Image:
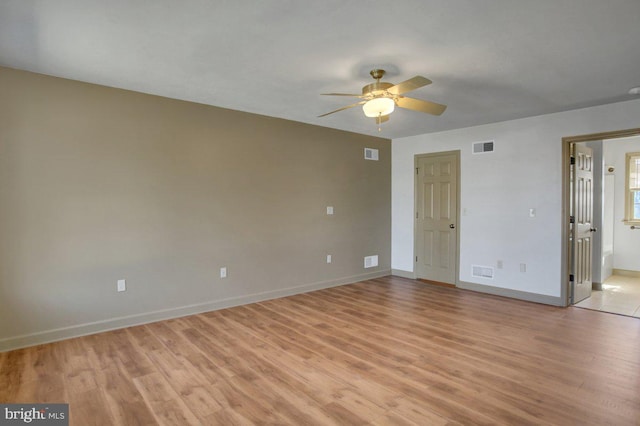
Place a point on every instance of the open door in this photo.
(581, 222)
(570, 236)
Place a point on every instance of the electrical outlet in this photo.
(499, 264)
(328, 258)
(122, 285)
(523, 267)
(329, 210)
(223, 272)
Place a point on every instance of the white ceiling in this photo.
(489, 60)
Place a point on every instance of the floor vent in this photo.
(482, 271)
(481, 147)
(371, 154)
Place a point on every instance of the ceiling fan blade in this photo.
(343, 108)
(409, 85)
(422, 106)
(342, 94)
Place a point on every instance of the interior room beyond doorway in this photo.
(619, 295)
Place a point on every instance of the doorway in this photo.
(599, 267)
(436, 220)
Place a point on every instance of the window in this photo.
(632, 200)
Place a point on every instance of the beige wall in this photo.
(98, 184)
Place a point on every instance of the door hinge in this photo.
(572, 219)
(572, 161)
(416, 215)
(571, 278)
(416, 258)
(417, 170)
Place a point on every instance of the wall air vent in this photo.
(371, 154)
(482, 272)
(371, 261)
(482, 147)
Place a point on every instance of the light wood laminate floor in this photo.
(385, 351)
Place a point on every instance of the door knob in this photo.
(452, 226)
(593, 230)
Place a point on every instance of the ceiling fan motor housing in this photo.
(376, 89)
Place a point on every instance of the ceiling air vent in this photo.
(371, 154)
(482, 271)
(481, 147)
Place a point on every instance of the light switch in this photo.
(329, 209)
(532, 212)
(122, 285)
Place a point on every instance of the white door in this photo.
(582, 226)
(436, 217)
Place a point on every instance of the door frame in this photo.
(566, 199)
(416, 157)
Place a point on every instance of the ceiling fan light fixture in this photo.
(378, 107)
(379, 99)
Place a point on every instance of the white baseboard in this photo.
(403, 274)
(48, 336)
(626, 273)
(497, 291)
(513, 294)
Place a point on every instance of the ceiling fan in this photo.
(380, 98)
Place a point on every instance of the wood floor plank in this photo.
(242, 396)
(227, 417)
(383, 351)
(123, 399)
(165, 404)
(379, 369)
(274, 377)
(12, 371)
(184, 380)
(333, 378)
(452, 368)
(90, 408)
(48, 388)
(346, 363)
(79, 372)
(469, 342)
(395, 419)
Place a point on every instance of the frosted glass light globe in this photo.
(378, 106)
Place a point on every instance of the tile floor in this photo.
(619, 295)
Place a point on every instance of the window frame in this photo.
(629, 203)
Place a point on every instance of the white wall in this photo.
(609, 209)
(497, 191)
(626, 242)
